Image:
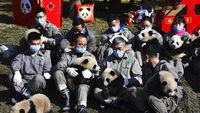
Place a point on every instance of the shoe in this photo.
(81, 109)
(66, 97)
(25, 92)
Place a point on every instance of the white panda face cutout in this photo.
(108, 76)
(146, 35)
(175, 42)
(85, 12)
(26, 6)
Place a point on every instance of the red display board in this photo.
(190, 9)
(23, 11)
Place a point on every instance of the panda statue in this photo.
(38, 103)
(84, 63)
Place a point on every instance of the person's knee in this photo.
(58, 74)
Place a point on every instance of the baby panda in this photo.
(38, 103)
(143, 37)
(176, 47)
(162, 87)
(82, 64)
(113, 82)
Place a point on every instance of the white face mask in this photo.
(41, 21)
(178, 27)
(114, 28)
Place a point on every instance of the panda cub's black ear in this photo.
(164, 83)
(85, 61)
(21, 111)
(112, 73)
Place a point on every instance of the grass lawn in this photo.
(11, 33)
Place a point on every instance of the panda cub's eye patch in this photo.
(85, 61)
(107, 80)
(21, 111)
(94, 66)
(112, 73)
(169, 90)
(143, 34)
(150, 33)
(164, 83)
(177, 43)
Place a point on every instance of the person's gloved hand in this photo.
(47, 76)
(87, 74)
(17, 79)
(72, 71)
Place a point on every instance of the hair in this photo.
(33, 36)
(39, 9)
(179, 18)
(118, 40)
(146, 18)
(78, 21)
(80, 35)
(112, 17)
(152, 47)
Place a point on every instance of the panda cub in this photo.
(83, 63)
(113, 82)
(161, 88)
(163, 84)
(38, 103)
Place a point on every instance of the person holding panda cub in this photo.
(175, 43)
(123, 60)
(65, 71)
(30, 69)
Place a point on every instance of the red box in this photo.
(85, 11)
(23, 11)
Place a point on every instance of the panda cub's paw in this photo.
(87, 74)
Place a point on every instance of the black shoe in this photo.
(81, 109)
(16, 97)
(66, 97)
(25, 92)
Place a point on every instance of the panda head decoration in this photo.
(146, 35)
(85, 12)
(168, 83)
(38, 103)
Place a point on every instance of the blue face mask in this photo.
(34, 48)
(114, 29)
(178, 28)
(41, 21)
(118, 53)
(80, 49)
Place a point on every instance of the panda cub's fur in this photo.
(163, 84)
(114, 82)
(83, 63)
(38, 103)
